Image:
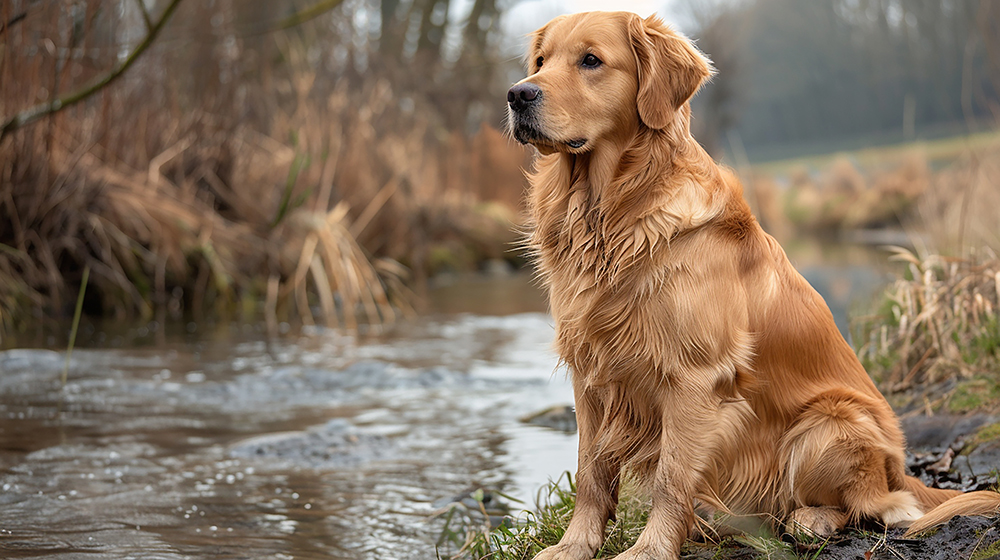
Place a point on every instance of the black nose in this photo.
(523, 95)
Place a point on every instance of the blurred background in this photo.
(320, 161)
(291, 231)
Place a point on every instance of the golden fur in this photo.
(701, 360)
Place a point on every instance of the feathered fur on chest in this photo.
(616, 260)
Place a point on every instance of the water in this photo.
(318, 446)
(223, 444)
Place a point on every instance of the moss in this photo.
(987, 343)
(986, 434)
(926, 534)
(991, 551)
(974, 394)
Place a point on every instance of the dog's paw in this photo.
(565, 551)
(815, 522)
(901, 509)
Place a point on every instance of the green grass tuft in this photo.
(991, 551)
(526, 536)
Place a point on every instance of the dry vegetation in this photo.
(944, 202)
(247, 183)
(939, 321)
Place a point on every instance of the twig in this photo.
(16, 19)
(76, 322)
(307, 14)
(908, 379)
(145, 15)
(376, 204)
(153, 172)
(37, 112)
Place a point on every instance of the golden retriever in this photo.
(701, 360)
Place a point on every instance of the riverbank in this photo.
(957, 452)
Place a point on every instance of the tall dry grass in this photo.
(258, 186)
(844, 196)
(961, 207)
(946, 204)
(940, 321)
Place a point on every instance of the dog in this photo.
(701, 361)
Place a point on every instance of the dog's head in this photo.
(595, 75)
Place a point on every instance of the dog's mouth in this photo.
(528, 134)
(526, 128)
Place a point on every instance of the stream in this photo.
(221, 443)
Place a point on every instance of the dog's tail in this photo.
(945, 504)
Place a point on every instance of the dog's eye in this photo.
(590, 61)
(538, 61)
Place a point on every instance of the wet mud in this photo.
(963, 538)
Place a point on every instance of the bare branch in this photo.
(145, 15)
(28, 116)
(16, 19)
(307, 14)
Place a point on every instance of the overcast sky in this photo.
(528, 15)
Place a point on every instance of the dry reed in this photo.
(939, 322)
(275, 192)
(844, 196)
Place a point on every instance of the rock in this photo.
(559, 417)
(336, 444)
(497, 268)
(941, 430)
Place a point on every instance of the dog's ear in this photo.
(670, 69)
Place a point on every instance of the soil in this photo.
(962, 538)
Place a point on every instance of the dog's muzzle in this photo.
(522, 97)
(523, 100)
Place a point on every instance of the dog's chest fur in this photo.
(627, 300)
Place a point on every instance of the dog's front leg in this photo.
(596, 484)
(686, 444)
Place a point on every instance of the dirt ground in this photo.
(976, 538)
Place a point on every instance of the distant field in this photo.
(937, 152)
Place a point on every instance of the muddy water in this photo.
(319, 445)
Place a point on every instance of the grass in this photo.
(973, 394)
(986, 434)
(987, 552)
(991, 551)
(522, 538)
(937, 322)
(940, 193)
(938, 150)
(76, 325)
